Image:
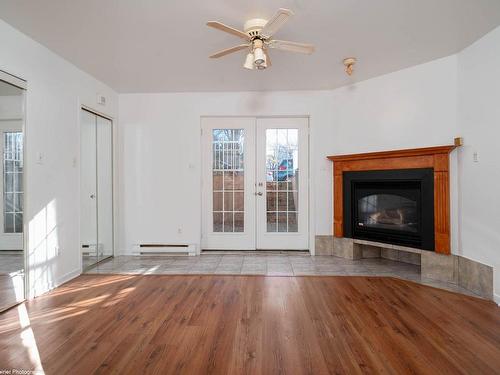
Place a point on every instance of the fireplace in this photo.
(390, 206)
(402, 164)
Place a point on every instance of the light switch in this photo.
(39, 158)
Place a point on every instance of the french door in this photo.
(255, 183)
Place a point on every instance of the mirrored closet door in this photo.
(96, 188)
(12, 260)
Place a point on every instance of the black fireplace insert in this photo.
(394, 206)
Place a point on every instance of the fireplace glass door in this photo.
(382, 208)
(389, 212)
(390, 206)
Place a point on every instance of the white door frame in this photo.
(310, 179)
(22, 84)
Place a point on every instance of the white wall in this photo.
(414, 107)
(479, 124)
(55, 91)
(160, 138)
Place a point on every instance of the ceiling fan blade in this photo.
(276, 22)
(227, 51)
(291, 46)
(228, 29)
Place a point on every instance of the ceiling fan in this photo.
(258, 36)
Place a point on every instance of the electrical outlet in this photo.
(179, 230)
(475, 157)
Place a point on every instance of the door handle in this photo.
(92, 196)
(259, 193)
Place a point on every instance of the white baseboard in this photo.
(496, 298)
(69, 276)
(47, 287)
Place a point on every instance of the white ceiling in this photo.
(163, 45)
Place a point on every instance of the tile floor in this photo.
(270, 265)
(11, 263)
(11, 279)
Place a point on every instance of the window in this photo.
(13, 182)
(228, 180)
(282, 178)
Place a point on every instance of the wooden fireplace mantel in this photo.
(429, 157)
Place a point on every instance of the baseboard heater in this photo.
(92, 249)
(165, 249)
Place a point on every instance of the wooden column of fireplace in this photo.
(430, 157)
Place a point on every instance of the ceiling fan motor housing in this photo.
(254, 26)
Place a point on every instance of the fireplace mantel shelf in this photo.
(394, 153)
(436, 158)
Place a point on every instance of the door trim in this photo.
(22, 84)
(13, 80)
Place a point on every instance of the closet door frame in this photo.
(23, 85)
(82, 107)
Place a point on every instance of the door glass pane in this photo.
(12, 182)
(282, 178)
(228, 180)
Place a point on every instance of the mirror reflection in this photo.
(12, 200)
(96, 188)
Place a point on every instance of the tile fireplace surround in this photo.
(440, 264)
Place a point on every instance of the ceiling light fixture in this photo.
(349, 65)
(249, 62)
(258, 39)
(260, 57)
(262, 66)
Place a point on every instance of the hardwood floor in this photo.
(161, 324)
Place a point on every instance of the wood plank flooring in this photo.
(129, 324)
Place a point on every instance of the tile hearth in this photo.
(270, 265)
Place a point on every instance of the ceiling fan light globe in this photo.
(262, 66)
(249, 62)
(259, 56)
